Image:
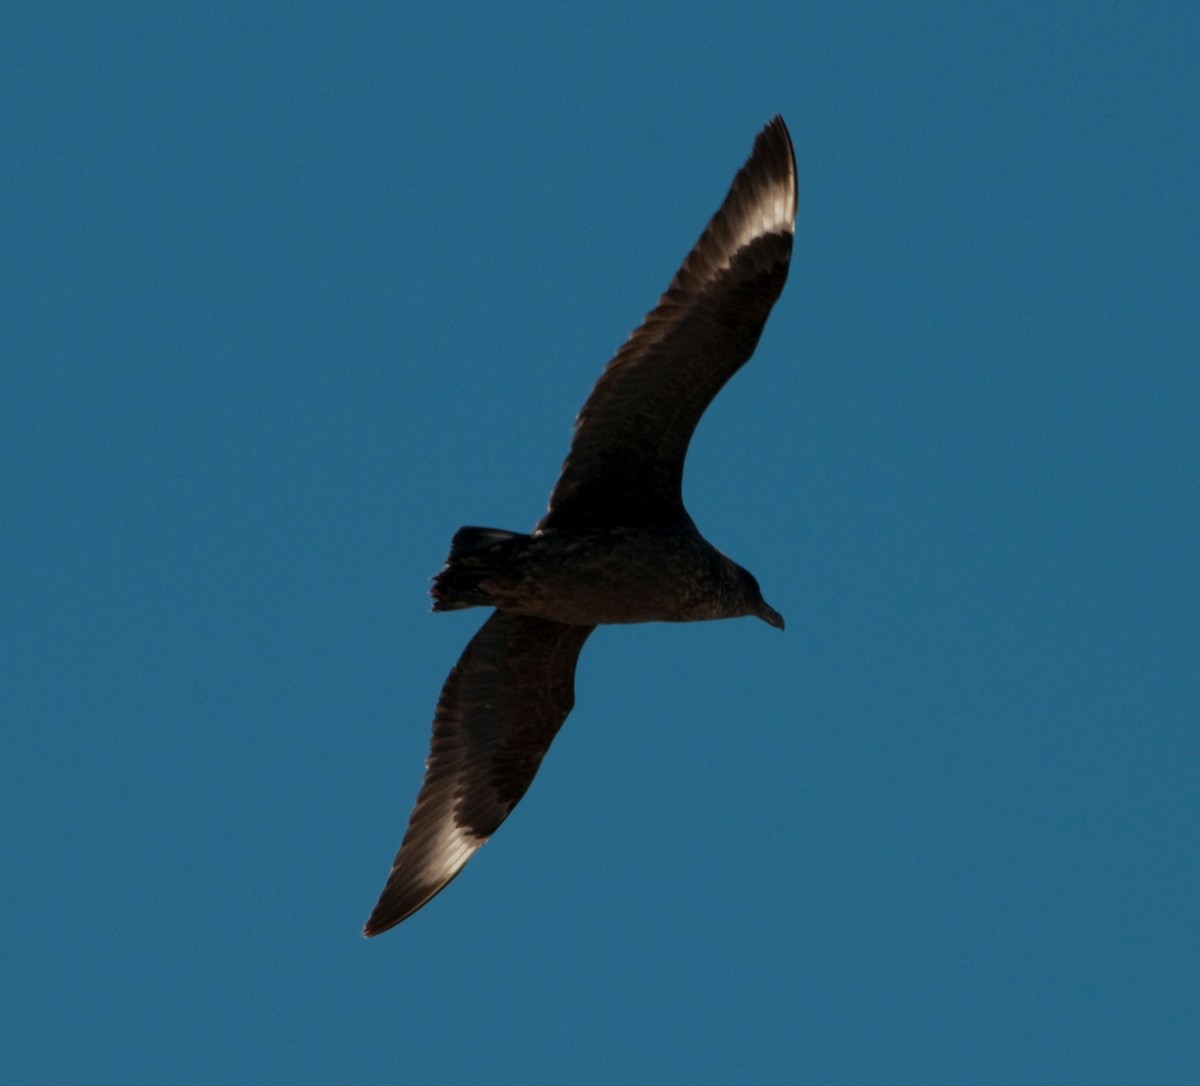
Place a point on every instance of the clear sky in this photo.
(290, 292)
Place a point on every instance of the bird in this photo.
(616, 544)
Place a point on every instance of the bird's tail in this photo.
(476, 555)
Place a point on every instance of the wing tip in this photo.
(779, 126)
(761, 202)
(772, 165)
(397, 904)
(384, 916)
(377, 924)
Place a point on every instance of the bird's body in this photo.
(615, 546)
(595, 576)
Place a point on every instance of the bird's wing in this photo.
(502, 704)
(626, 458)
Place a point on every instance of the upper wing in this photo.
(503, 703)
(626, 458)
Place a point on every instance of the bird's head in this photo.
(752, 601)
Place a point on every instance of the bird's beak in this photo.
(770, 616)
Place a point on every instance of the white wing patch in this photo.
(447, 847)
(772, 212)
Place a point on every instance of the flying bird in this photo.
(616, 544)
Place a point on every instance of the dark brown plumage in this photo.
(616, 544)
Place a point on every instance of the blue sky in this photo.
(291, 293)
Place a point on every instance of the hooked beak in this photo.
(770, 616)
